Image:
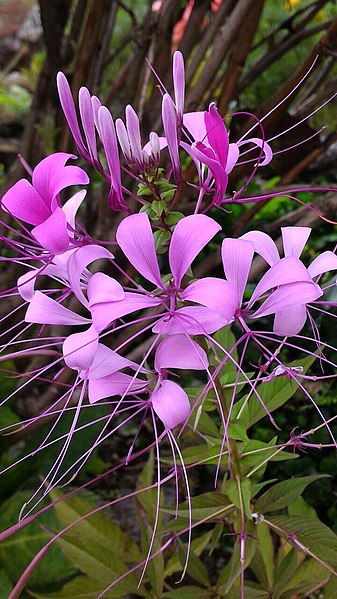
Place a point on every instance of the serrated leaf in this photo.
(301, 508)
(274, 394)
(283, 494)
(203, 506)
(83, 587)
(330, 591)
(308, 575)
(266, 549)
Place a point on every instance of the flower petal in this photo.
(68, 108)
(78, 262)
(51, 175)
(22, 201)
(104, 313)
(194, 122)
(237, 256)
(171, 404)
(216, 294)
(286, 270)
(79, 349)
(134, 236)
(45, 310)
(109, 140)
(191, 320)
(169, 118)
(107, 361)
(263, 245)
(117, 383)
(260, 143)
(52, 234)
(294, 240)
(290, 321)
(179, 351)
(88, 122)
(286, 296)
(179, 82)
(323, 263)
(190, 236)
(217, 134)
(70, 209)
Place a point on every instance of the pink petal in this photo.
(294, 240)
(233, 155)
(171, 404)
(79, 349)
(133, 129)
(237, 256)
(107, 361)
(68, 108)
(287, 296)
(216, 294)
(71, 207)
(290, 321)
(194, 122)
(44, 310)
(87, 117)
(109, 140)
(179, 82)
(117, 383)
(123, 139)
(260, 143)
(263, 245)
(134, 236)
(286, 270)
(169, 118)
(26, 284)
(190, 236)
(217, 134)
(104, 313)
(51, 175)
(192, 320)
(323, 263)
(23, 202)
(202, 153)
(52, 234)
(179, 351)
(78, 262)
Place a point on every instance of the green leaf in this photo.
(287, 565)
(227, 340)
(195, 567)
(233, 488)
(190, 592)
(83, 587)
(258, 454)
(330, 591)
(308, 575)
(203, 506)
(266, 550)
(173, 218)
(274, 394)
(216, 536)
(312, 533)
(5, 585)
(232, 570)
(301, 508)
(17, 551)
(161, 240)
(204, 454)
(283, 494)
(197, 546)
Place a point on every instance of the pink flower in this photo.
(38, 203)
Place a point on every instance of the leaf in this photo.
(266, 550)
(274, 394)
(330, 591)
(312, 533)
(283, 494)
(287, 565)
(195, 567)
(190, 592)
(197, 546)
(301, 508)
(5, 585)
(233, 488)
(308, 575)
(82, 587)
(252, 456)
(203, 506)
(231, 571)
(17, 551)
(227, 339)
(204, 454)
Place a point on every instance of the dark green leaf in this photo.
(283, 494)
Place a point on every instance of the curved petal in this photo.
(323, 263)
(179, 351)
(260, 143)
(169, 118)
(51, 175)
(135, 238)
(202, 153)
(216, 294)
(290, 321)
(171, 404)
(107, 312)
(294, 240)
(23, 202)
(109, 140)
(194, 122)
(68, 108)
(133, 129)
(70, 209)
(79, 349)
(179, 82)
(237, 256)
(78, 262)
(263, 245)
(217, 134)
(107, 361)
(286, 270)
(190, 236)
(88, 123)
(233, 156)
(44, 310)
(52, 234)
(117, 383)
(287, 296)
(192, 320)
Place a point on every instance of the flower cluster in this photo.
(87, 307)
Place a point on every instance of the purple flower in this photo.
(216, 298)
(38, 203)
